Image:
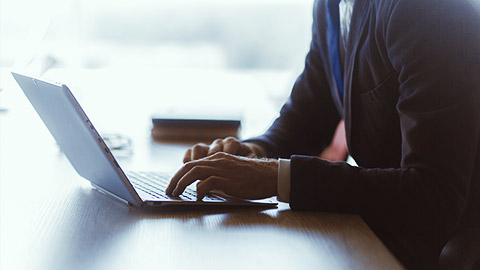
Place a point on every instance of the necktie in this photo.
(333, 28)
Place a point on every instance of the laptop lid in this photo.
(76, 136)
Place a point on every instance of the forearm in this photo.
(397, 198)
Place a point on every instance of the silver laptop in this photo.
(92, 159)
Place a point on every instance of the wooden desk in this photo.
(51, 218)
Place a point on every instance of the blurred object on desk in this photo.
(193, 130)
(120, 145)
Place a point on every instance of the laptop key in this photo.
(155, 184)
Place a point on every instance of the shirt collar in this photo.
(345, 10)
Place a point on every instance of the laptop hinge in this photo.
(108, 193)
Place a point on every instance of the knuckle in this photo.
(196, 170)
(230, 139)
(198, 147)
(188, 165)
(235, 143)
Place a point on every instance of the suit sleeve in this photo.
(435, 51)
(308, 119)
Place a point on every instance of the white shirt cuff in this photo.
(283, 184)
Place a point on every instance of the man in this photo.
(409, 74)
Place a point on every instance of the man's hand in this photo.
(240, 177)
(228, 145)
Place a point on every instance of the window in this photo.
(265, 40)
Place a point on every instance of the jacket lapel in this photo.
(357, 31)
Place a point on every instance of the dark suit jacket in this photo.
(412, 114)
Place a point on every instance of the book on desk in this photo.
(193, 129)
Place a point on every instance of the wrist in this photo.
(283, 180)
(274, 176)
(271, 167)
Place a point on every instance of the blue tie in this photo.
(333, 22)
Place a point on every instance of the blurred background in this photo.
(160, 56)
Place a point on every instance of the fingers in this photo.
(231, 145)
(176, 177)
(192, 171)
(196, 173)
(198, 151)
(209, 184)
(228, 145)
(237, 176)
(188, 156)
(186, 168)
(216, 146)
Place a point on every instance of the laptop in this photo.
(93, 160)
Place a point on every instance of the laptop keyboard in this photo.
(155, 184)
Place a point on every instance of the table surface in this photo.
(51, 218)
